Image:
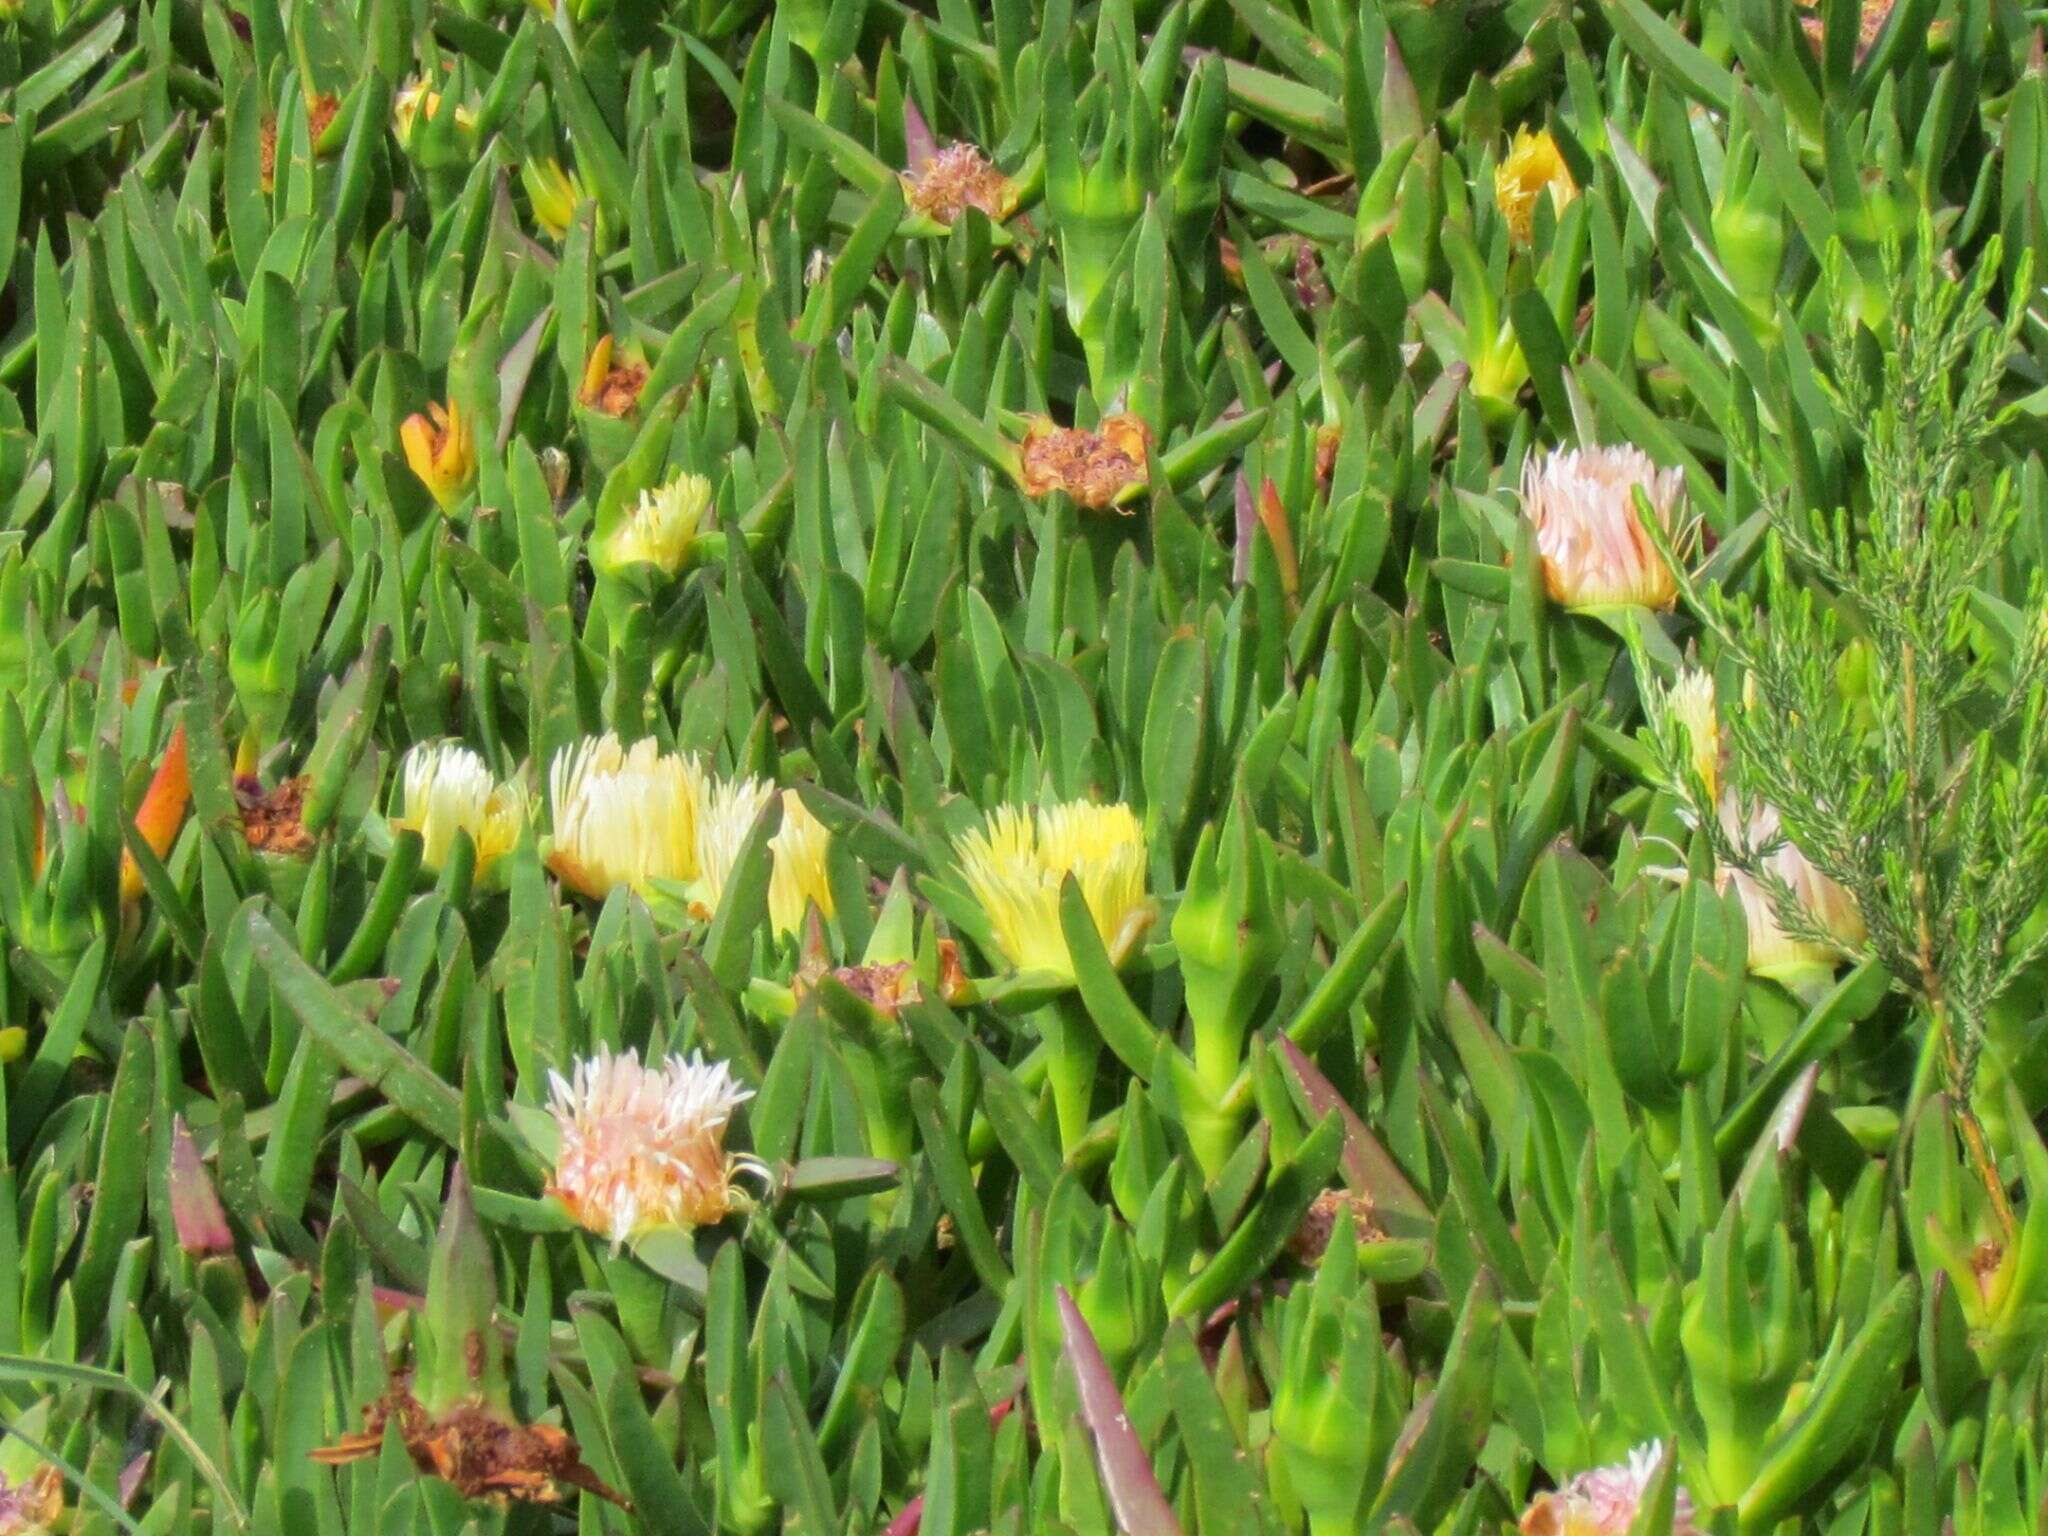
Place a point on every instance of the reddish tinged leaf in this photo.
(1134, 1495)
(918, 143)
(1368, 1167)
(196, 1214)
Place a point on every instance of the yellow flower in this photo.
(447, 788)
(419, 100)
(1015, 864)
(731, 807)
(799, 880)
(1596, 552)
(441, 448)
(554, 192)
(623, 817)
(661, 528)
(642, 1149)
(1773, 953)
(1533, 166)
(1690, 702)
(1604, 1501)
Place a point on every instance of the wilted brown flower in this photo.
(320, 110)
(273, 819)
(33, 1505)
(481, 1455)
(1875, 13)
(611, 384)
(955, 179)
(1092, 467)
(1311, 1238)
(884, 988)
(266, 153)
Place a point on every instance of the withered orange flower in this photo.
(161, 813)
(612, 386)
(273, 819)
(32, 1505)
(479, 1454)
(1092, 467)
(884, 988)
(955, 179)
(266, 153)
(1874, 14)
(320, 109)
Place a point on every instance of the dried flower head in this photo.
(1318, 1224)
(955, 179)
(612, 379)
(266, 153)
(642, 1148)
(321, 107)
(31, 1507)
(448, 788)
(884, 988)
(1604, 1501)
(1596, 552)
(1092, 467)
(1533, 167)
(273, 820)
(480, 1453)
(623, 817)
(1016, 863)
(440, 445)
(661, 528)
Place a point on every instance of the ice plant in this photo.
(1797, 960)
(420, 100)
(440, 445)
(32, 1506)
(198, 1221)
(1604, 1501)
(1015, 864)
(1595, 551)
(447, 788)
(799, 881)
(1092, 467)
(555, 193)
(1690, 702)
(613, 377)
(949, 182)
(161, 813)
(642, 1148)
(623, 817)
(1532, 168)
(660, 529)
(729, 810)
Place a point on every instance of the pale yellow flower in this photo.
(799, 880)
(642, 1149)
(623, 817)
(1595, 550)
(448, 788)
(1604, 1501)
(1015, 864)
(1533, 167)
(440, 445)
(1690, 702)
(731, 807)
(661, 528)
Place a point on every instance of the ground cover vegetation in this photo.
(1232, 766)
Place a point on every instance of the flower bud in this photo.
(1533, 168)
(441, 448)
